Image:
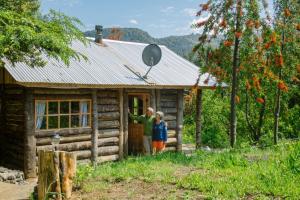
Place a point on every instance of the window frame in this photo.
(58, 115)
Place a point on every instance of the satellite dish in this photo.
(151, 56)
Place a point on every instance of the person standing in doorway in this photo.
(147, 120)
(160, 133)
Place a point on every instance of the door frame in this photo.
(146, 103)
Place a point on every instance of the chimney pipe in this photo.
(98, 36)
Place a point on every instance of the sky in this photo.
(160, 18)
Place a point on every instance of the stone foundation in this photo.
(11, 176)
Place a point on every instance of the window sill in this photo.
(63, 132)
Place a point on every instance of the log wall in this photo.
(167, 102)
(80, 140)
(109, 125)
(109, 108)
(12, 130)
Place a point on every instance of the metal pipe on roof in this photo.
(99, 35)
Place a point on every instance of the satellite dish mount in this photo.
(151, 57)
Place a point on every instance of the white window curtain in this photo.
(40, 108)
(84, 110)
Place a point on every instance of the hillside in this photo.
(182, 45)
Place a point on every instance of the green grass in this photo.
(255, 173)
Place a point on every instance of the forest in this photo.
(258, 57)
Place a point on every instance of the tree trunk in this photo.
(56, 172)
(198, 118)
(277, 112)
(233, 121)
(260, 120)
(278, 95)
(247, 113)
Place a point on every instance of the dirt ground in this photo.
(16, 192)
(139, 189)
(136, 190)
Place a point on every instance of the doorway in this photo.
(138, 104)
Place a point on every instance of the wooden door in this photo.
(138, 104)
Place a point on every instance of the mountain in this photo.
(182, 45)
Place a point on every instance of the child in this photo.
(160, 135)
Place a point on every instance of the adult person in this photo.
(160, 133)
(147, 120)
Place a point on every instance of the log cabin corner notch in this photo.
(87, 103)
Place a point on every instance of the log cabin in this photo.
(87, 103)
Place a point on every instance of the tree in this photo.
(25, 33)
(227, 20)
(115, 34)
(287, 27)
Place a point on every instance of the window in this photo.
(62, 114)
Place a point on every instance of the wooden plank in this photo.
(107, 93)
(108, 108)
(171, 141)
(108, 101)
(143, 91)
(125, 124)
(169, 91)
(121, 114)
(109, 133)
(169, 110)
(171, 133)
(109, 124)
(68, 139)
(106, 116)
(102, 151)
(179, 120)
(169, 104)
(108, 150)
(74, 146)
(168, 97)
(95, 125)
(56, 91)
(170, 149)
(110, 158)
(29, 139)
(108, 141)
(198, 118)
(171, 124)
(170, 117)
(63, 132)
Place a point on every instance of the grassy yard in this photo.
(249, 173)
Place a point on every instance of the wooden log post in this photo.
(95, 125)
(57, 170)
(125, 123)
(153, 100)
(29, 139)
(179, 118)
(198, 118)
(121, 136)
(157, 96)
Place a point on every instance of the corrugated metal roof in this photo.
(112, 65)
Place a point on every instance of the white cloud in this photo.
(168, 9)
(190, 12)
(133, 21)
(199, 19)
